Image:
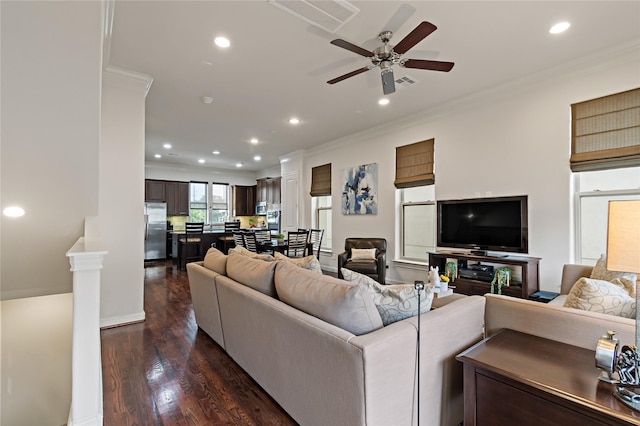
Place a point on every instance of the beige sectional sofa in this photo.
(323, 374)
(553, 321)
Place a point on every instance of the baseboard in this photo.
(121, 320)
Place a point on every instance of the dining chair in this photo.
(263, 235)
(238, 238)
(191, 243)
(250, 242)
(315, 239)
(297, 243)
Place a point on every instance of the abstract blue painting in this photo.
(360, 191)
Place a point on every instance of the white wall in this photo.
(122, 195)
(509, 141)
(50, 79)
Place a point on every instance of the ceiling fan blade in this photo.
(352, 47)
(428, 65)
(414, 37)
(388, 83)
(351, 74)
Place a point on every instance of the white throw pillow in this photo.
(363, 254)
(394, 302)
(606, 297)
(310, 262)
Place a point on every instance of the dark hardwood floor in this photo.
(166, 371)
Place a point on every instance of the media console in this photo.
(475, 272)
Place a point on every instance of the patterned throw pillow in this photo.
(363, 254)
(600, 272)
(606, 297)
(310, 262)
(244, 252)
(394, 302)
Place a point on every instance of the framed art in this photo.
(360, 189)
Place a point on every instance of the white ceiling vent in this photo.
(328, 15)
(405, 81)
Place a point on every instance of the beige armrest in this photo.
(572, 273)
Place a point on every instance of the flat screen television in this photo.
(482, 224)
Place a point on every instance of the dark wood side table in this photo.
(514, 378)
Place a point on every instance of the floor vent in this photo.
(328, 15)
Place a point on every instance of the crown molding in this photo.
(135, 79)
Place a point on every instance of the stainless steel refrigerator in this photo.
(155, 231)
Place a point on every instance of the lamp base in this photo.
(629, 396)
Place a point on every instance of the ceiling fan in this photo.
(388, 55)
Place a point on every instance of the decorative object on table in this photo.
(451, 271)
(444, 283)
(280, 238)
(434, 277)
(502, 277)
(623, 254)
(360, 189)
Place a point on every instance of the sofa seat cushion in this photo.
(364, 266)
(310, 262)
(606, 297)
(216, 261)
(394, 302)
(338, 302)
(255, 273)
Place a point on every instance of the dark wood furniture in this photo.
(527, 285)
(174, 193)
(244, 200)
(514, 378)
(191, 244)
(268, 190)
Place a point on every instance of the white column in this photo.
(86, 259)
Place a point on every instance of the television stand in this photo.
(479, 252)
(525, 269)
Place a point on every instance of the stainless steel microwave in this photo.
(261, 208)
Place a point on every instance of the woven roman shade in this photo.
(414, 165)
(321, 180)
(605, 132)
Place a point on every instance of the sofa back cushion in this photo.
(216, 261)
(243, 251)
(335, 301)
(254, 273)
(310, 262)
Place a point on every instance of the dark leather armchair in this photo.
(374, 268)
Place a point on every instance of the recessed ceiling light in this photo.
(257, 158)
(167, 146)
(294, 120)
(222, 42)
(13, 211)
(383, 101)
(216, 152)
(201, 161)
(254, 141)
(206, 63)
(158, 156)
(238, 164)
(560, 27)
(207, 99)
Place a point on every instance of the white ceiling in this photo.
(278, 65)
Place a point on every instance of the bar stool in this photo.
(225, 242)
(191, 244)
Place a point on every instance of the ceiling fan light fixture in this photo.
(560, 27)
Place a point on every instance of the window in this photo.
(219, 202)
(594, 190)
(417, 222)
(323, 219)
(198, 202)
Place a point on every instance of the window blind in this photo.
(414, 165)
(321, 180)
(605, 132)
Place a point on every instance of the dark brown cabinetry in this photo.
(524, 272)
(514, 378)
(268, 190)
(175, 194)
(244, 200)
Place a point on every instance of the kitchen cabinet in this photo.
(177, 196)
(268, 190)
(244, 198)
(154, 190)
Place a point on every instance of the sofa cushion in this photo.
(606, 297)
(254, 273)
(310, 262)
(363, 254)
(244, 252)
(216, 261)
(600, 272)
(333, 300)
(394, 302)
